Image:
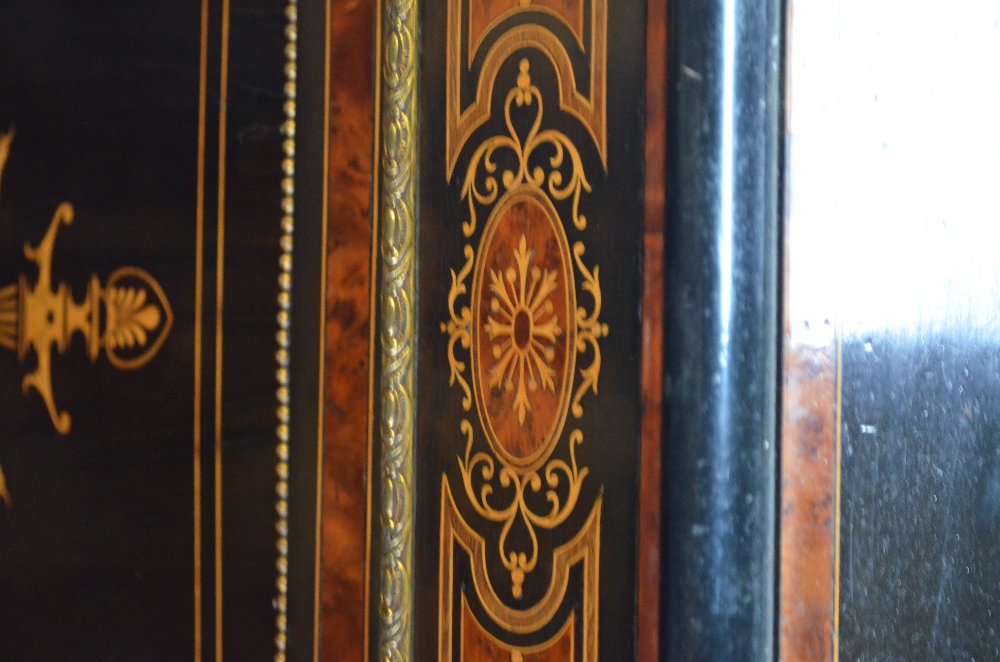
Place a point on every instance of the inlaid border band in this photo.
(200, 333)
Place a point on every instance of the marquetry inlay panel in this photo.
(523, 330)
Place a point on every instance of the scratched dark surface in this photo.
(920, 518)
(891, 238)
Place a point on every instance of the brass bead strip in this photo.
(398, 325)
(280, 601)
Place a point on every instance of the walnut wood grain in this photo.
(807, 503)
(348, 340)
(652, 333)
(530, 432)
(479, 646)
(484, 13)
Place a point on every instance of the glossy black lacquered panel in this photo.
(721, 332)
(139, 207)
(920, 497)
(528, 386)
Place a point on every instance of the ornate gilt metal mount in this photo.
(128, 317)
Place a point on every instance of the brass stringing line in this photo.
(398, 299)
(525, 94)
(284, 323)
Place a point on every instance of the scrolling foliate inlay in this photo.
(513, 347)
(128, 317)
(5, 141)
(584, 550)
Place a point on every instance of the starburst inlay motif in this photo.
(523, 329)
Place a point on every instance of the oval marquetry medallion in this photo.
(524, 329)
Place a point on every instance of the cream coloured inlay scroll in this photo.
(129, 317)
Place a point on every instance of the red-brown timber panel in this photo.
(652, 332)
(807, 502)
(346, 516)
(484, 14)
(479, 646)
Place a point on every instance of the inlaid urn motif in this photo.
(129, 317)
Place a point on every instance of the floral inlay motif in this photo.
(524, 329)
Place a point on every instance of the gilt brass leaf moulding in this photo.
(397, 249)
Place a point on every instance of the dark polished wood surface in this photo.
(98, 550)
(718, 599)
